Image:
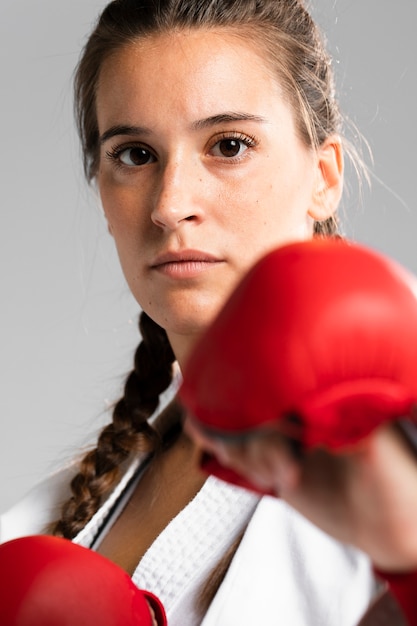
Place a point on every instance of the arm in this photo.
(333, 346)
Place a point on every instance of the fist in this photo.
(48, 581)
(318, 342)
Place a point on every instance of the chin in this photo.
(185, 317)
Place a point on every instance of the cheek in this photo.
(110, 201)
(269, 215)
(122, 204)
(126, 221)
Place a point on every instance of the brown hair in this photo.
(129, 431)
(287, 34)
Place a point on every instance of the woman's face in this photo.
(201, 172)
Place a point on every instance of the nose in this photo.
(175, 200)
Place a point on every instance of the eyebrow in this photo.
(221, 118)
(213, 120)
(122, 129)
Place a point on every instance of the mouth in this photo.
(184, 264)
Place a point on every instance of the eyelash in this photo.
(250, 141)
(113, 155)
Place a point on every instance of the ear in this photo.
(329, 180)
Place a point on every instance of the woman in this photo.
(213, 135)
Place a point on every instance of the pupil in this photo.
(139, 156)
(229, 147)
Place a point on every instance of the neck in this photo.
(182, 346)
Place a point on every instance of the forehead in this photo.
(190, 72)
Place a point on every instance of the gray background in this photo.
(67, 320)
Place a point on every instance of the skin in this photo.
(152, 612)
(363, 496)
(207, 197)
(201, 173)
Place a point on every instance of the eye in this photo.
(229, 147)
(232, 146)
(136, 156)
(133, 156)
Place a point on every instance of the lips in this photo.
(184, 256)
(185, 263)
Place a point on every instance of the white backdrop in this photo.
(67, 320)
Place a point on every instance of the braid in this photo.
(128, 433)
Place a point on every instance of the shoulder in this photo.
(38, 508)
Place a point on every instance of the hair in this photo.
(292, 44)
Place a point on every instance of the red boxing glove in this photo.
(47, 581)
(319, 340)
